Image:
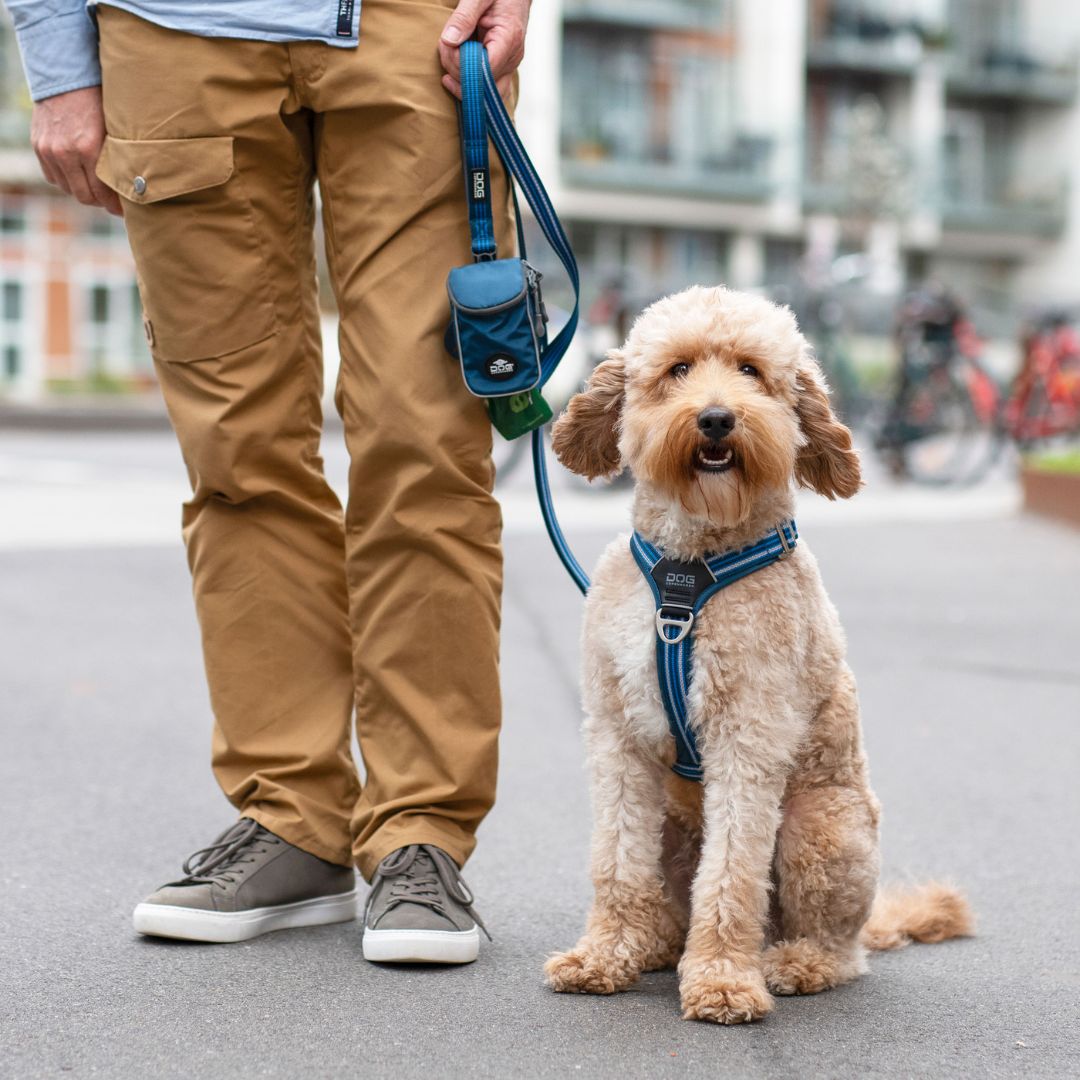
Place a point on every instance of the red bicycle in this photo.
(1044, 402)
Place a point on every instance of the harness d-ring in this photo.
(684, 622)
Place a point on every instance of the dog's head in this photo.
(714, 399)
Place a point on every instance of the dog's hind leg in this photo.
(631, 927)
(826, 860)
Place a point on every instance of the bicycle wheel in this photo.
(946, 431)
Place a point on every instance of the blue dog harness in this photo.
(681, 590)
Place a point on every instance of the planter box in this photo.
(1053, 494)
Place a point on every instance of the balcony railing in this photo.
(742, 173)
(1013, 73)
(1033, 216)
(851, 37)
(659, 14)
(1044, 216)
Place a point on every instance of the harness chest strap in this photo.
(681, 590)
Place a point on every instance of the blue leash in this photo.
(483, 115)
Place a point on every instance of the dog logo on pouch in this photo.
(501, 367)
(479, 185)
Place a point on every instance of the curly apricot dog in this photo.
(684, 871)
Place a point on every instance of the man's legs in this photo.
(222, 235)
(422, 527)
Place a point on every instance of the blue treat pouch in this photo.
(498, 325)
(496, 329)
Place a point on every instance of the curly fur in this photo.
(763, 878)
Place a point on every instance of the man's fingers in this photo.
(462, 24)
(77, 183)
(506, 50)
(450, 59)
(47, 169)
(452, 85)
(103, 195)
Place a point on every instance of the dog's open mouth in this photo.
(714, 457)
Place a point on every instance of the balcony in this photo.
(650, 14)
(853, 38)
(1009, 73)
(741, 173)
(1019, 215)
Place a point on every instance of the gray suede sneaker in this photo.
(420, 910)
(248, 881)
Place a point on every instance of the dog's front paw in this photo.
(802, 967)
(581, 972)
(737, 998)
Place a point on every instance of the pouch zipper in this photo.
(533, 278)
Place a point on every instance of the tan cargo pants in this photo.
(214, 145)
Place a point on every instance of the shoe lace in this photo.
(424, 874)
(221, 862)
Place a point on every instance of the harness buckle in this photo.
(786, 553)
(684, 621)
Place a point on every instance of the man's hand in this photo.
(501, 25)
(66, 132)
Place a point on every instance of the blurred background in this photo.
(904, 173)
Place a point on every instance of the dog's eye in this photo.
(679, 370)
(749, 369)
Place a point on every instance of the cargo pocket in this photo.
(202, 276)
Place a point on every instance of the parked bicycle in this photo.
(1044, 401)
(942, 423)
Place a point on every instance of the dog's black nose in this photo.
(715, 422)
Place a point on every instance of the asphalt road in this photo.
(965, 636)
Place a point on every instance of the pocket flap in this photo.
(483, 286)
(148, 170)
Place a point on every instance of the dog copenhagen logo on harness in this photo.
(479, 185)
(500, 366)
(680, 581)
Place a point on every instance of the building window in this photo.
(11, 303)
(99, 304)
(12, 328)
(649, 100)
(12, 217)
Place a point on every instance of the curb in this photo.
(83, 415)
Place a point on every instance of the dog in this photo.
(763, 878)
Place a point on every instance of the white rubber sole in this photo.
(190, 924)
(422, 946)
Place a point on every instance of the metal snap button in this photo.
(139, 184)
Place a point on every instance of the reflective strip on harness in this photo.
(681, 590)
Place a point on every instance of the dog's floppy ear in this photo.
(827, 463)
(585, 438)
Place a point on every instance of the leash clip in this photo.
(684, 622)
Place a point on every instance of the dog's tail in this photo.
(928, 913)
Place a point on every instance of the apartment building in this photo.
(692, 140)
(723, 140)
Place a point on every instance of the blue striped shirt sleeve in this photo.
(58, 42)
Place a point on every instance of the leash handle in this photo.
(474, 155)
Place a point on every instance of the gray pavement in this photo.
(965, 637)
